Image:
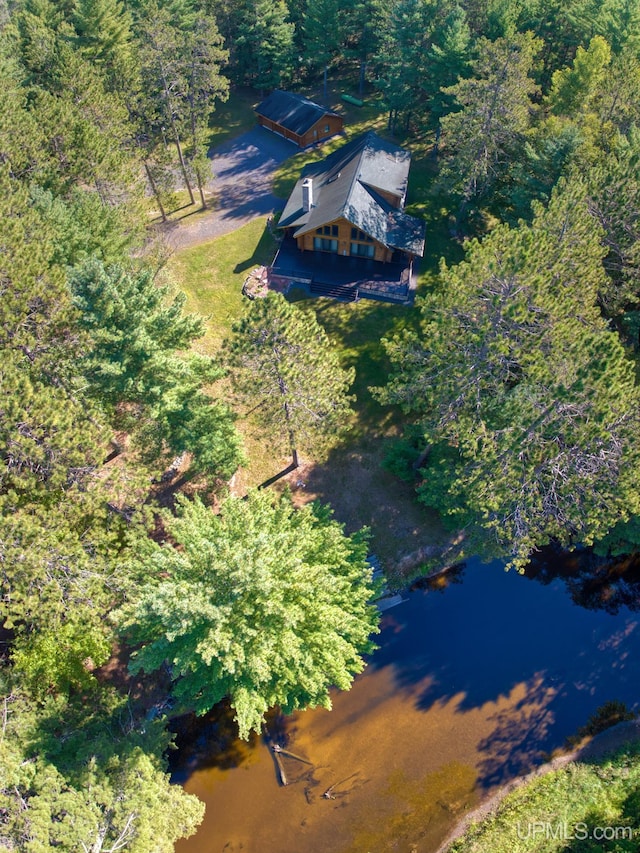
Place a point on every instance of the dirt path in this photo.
(241, 187)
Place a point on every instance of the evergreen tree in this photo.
(263, 44)
(205, 85)
(402, 60)
(263, 604)
(572, 89)
(322, 42)
(84, 775)
(283, 364)
(49, 439)
(134, 371)
(103, 35)
(495, 111)
(526, 398)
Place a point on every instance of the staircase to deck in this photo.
(344, 292)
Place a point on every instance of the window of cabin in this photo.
(321, 244)
(360, 235)
(334, 230)
(326, 128)
(363, 250)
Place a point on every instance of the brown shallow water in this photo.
(472, 685)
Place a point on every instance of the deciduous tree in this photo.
(263, 604)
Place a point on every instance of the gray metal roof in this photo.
(292, 111)
(347, 185)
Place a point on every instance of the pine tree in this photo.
(283, 364)
(134, 370)
(263, 43)
(84, 774)
(321, 42)
(495, 111)
(526, 398)
(263, 604)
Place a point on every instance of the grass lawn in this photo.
(212, 275)
(233, 117)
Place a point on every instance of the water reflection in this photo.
(591, 582)
(475, 681)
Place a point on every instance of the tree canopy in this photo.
(524, 395)
(264, 604)
(283, 363)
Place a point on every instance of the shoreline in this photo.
(599, 746)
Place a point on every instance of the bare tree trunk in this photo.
(183, 166)
(363, 71)
(155, 190)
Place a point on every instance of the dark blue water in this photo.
(490, 630)
(473, 684)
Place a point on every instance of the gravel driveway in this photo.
(243, 171)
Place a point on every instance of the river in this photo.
(477, 678)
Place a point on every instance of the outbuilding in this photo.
(297, 118)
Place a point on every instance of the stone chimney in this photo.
(307, 194)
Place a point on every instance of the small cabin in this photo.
(298, 119)
(352, 204)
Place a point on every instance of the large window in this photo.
(363, 250)
(320, 244)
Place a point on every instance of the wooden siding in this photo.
(305, 241)
(315, 134)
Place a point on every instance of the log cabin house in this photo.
(352, 204)
(298, 119)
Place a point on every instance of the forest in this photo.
(516, 379)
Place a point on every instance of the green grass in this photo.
(580, 797)
(212, 275)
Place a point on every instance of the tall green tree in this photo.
(262, 44)
(495, 110)
(572, 89)
(49, 439)
(85, 775)
(283, 364)
(323, 35)
(526, 398)
(135, 371)
(104, 36)
(263, 604)
(402, 60)
(163, 71)
(205, 86)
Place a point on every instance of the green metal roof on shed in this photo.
(348, 184)
(291, 111)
